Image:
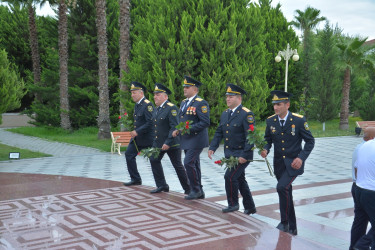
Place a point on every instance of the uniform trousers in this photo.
(235, 180)
(130, 155)
(364, 210)
(193, 168)
(174, 155)
(359, 226)
(285, 191)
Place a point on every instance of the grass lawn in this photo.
(24, 153)
(88, 136)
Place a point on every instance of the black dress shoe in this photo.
(160, 189)
(283, 227)
(202, 196)
(193, 195)
(187, 191)
(250, 211)
(131, 183)
(293, 231)
(229, 209)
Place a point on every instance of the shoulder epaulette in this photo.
(246, 109)
(298, 115)
(170, 104)
(271, 116)
(147, 101)
(198, 99)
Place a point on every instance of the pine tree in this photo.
(326, 82)
(213, 41)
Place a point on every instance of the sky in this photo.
(355, 17)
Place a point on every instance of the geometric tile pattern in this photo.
(124, 218)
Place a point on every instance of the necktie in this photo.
(158, 109)
(185, 105)
(282, 123)
(230, 114)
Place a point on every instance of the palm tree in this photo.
(101, 25)
(306, 21)
(352, 53)
(33, 36)
(63, 60)
(124, 44)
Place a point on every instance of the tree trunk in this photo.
(124, 44)
(101, 25)
(33, 35)
(63, 59)
(344, 112)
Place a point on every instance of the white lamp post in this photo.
(286, 54)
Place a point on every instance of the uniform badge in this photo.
(293, 129)
(174, 112)
(273, 129)
(306, 126)
(149, 108)
(204, 109)
(194, 110)
(250, 119)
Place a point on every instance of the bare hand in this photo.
(133, 134)
(165, 147)
(264, 153)
(241, 160)
(175, 133)
(210, 153)
(297, 163)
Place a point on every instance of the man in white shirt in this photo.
(359, 225)
(365, 190)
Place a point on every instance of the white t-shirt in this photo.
(354, 158)
(365, 165)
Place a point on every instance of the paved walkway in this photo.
(324, 206)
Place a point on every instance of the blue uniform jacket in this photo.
(164, 123)
(198, 111)
(143, 123)
(288, 141)
(234, 132)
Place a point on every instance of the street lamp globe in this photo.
(295, 57)
(277, 58)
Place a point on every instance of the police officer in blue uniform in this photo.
(233, 127)
(165, 120)
(194, 109)
(286, 131)
(142, 134)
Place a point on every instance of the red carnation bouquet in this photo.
(230, 162)
(126, 122)
(184, 127)
(257, 139)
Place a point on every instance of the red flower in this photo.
(125, 113)
(218, 162)
(139, 153)
(187, 126)
(251, 127)
(119, 117)
(187, 122)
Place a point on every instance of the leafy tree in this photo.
(216, 42)
(326, 82)
(352, 53)
(11, 85)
